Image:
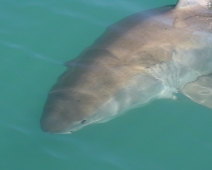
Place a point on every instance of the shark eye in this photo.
(83, 121)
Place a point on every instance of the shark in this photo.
(149, 55)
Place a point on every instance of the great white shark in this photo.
(149, 55)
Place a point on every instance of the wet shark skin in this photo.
(147, 56)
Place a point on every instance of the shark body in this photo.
(147, 56)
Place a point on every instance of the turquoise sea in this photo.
(36, 38)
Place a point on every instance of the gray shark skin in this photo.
(147, 56)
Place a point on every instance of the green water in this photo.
(36, 37)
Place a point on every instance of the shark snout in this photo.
(53, 124)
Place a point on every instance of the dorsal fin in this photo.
(204, 3)
(181, 3)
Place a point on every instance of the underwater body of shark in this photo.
(147, 56)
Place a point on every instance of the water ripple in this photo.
(31, 53)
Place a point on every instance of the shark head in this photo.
(74, 101)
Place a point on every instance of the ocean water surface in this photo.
(36, 38)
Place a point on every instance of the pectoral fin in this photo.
(200, 91)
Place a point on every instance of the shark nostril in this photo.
(82, 122)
